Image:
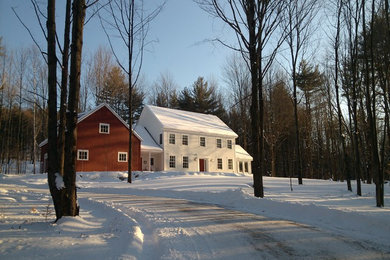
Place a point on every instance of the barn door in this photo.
(201, 165)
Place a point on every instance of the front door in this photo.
(201, 165)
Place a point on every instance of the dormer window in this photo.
(104, 128)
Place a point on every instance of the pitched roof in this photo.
(148, 144)
(84, 115)
(179, 120)
(242, 154)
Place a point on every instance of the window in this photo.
(240, 167)
(160, 138)
(185, 162)
(185, 139)
(172, 138)
(172, 161)
(82, 155)
(202, 141)
(122, 156)
(219, 143)
(229, 144)
(151, 161)
(104, 128)
(219, 164)
(230, 164)
(246, 166)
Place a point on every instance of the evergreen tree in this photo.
(114, 92)
(202, 98)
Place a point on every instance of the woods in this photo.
(299, 111)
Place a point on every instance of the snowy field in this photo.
(141, 220)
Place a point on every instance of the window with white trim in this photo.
(185, 162)
(122, 156)
(172, 161)
(104, 128)
(219, 143)
(172, 138)
(219, 163)
(82, 155)
(202, 141)
(230, 164)
(185, 140)
(229, 144)
(246, 166)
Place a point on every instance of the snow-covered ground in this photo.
(151, 218)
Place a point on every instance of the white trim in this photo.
(78, 155)
(122, 153)
(102, 125)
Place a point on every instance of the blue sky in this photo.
(180, 32)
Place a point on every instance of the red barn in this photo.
(102, 143)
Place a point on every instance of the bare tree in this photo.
(353, 19)
(164, 91)
(70, 207)
(237, 77)
(255, 24)
(64, 88)
(53, 166)
(130, 21)
(345, 168)
(370, 95)
(299, 20)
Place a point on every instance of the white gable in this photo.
(147, 143)
(184, 121)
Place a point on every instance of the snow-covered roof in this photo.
(179, 120)
(148, 144)
(83, 115)
(242, 154)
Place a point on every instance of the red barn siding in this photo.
(103, 148)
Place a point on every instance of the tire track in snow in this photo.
(179, 229)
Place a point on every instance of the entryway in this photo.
(202, 165)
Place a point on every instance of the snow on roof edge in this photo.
(219, 128)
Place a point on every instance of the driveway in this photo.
(180, 229)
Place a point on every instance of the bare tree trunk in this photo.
(52, 106)
(70, 206)
(130, 74)
(254, 109)
(64, 87)
(379, 182)
(345, 165)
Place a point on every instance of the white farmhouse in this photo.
(176, 140)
